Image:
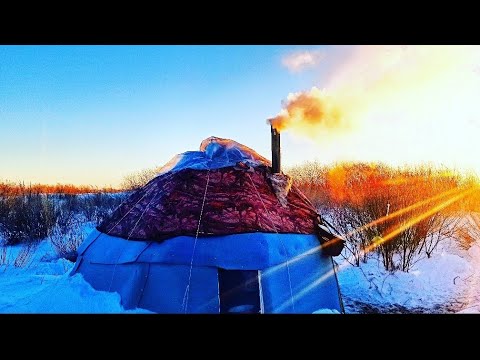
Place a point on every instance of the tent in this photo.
(214, 232)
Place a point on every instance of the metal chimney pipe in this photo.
(275, 150)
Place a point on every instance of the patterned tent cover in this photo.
(225, 188)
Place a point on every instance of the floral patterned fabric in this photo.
(238, 199)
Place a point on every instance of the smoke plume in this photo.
(397, 104)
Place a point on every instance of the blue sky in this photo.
(92, 114)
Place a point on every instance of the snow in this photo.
(326, 311)
(448, 282)
(445, 283)
(43, 285)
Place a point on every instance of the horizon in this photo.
(90, 115)
(437, 169)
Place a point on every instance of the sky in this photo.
(93, 114)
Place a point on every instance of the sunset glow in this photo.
(93, 114)
(395, 104)
(240, 179)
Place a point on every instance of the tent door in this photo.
(239, 291)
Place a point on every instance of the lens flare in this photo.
(455, 196)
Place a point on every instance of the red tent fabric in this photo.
(229, 200)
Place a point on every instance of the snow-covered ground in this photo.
(43, 285)
(448, 282)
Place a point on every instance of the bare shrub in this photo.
(10, 189)
(96, 207)
(26, 253)
(311, 177)
(138, 179)
(467, 231)
(401, 214)
(346, 221)
(3, 255)
(27, 217)
(66, 238)
(67, 234)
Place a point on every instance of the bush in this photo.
(401, 214)
(3, 254)
(66, 237)
(27, 217)
(138, 179)
(67, 234)
(26, 253)
(96, 207)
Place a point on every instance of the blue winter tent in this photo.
(214, 232)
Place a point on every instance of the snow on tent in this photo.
(215, 232)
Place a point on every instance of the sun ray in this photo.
(389, 236)
(404, 210)
(419, 218)
(304, 291)
(377, 221)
